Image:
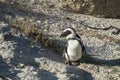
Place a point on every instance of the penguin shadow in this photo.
(46, 75)
(102, 62)
(78, 74)
(94, 60)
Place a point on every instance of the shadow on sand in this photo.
(26, 55)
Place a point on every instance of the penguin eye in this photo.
(66, 30)
(65, 33)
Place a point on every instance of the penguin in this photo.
(74, 48)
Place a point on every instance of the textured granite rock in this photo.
(27, 27)
(99, 8)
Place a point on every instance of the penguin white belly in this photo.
(74, 50)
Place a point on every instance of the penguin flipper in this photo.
(65, 50)
(78, 36)
(81, 43)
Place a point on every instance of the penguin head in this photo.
(68, 33)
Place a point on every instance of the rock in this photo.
(8, 54)
(99, 8)
(29, 73)
(30, 47)
(21, 65)
(1, 37)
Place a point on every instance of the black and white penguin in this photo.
(75, 47)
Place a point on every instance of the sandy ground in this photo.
(23, 59)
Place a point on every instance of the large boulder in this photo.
(99, 8)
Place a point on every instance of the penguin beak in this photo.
(64, 34)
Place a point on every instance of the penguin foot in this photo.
(75, 63)
(67, 62)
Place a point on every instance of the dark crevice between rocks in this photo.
(116, 32)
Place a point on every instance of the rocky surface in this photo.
(99, 8)
(30, 47)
